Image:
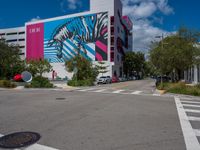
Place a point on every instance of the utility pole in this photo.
(162, 48)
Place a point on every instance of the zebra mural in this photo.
(85, 35)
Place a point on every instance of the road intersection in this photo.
(122, 116)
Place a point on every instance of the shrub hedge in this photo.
(88, 82)
(40, 82)
(7, 84)
(180, 88)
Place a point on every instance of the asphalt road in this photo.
(93, 121)
(146, 85)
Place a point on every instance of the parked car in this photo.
(115, 79)
(122, 79)
(104, 80)
(164, 79)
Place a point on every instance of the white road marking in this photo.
(188, 105)
(118, 91)
(192, 111)
(84, 90)
(197, 132)
(101, 90)
(35, 147)
(191, 102)
(188, 133)
(136, 92)
(191, 118)
(156, 95)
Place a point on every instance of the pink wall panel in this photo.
(35, 41)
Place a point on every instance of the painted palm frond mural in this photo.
(85, 35)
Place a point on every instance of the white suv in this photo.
(104, 80)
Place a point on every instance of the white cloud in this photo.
(143, 14)
(35, 19)
(70, 4)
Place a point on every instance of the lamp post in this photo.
(162, 47)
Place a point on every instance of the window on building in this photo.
(112, 30)
(21, 54)
(1, 34)
(21, 39)
(112, 48)
(22, 47)
(112, 56)
(112, 20)
(12, 33)
(112, 40)
(118, 29)
(13, 40)
(21, 32)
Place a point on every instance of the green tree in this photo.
(175, 53)
(133, 62)
(10, 61)
(39, 67)
(83, 69)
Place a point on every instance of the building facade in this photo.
(15, 36)
(192, 74)
(101, 34)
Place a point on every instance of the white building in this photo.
(192, 75)
(15, 36)
(102, 33)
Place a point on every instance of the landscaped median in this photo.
(7, 84)
(179, 88)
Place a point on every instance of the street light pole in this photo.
(162, 48)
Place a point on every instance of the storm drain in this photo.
(19, 139)
(60, 99)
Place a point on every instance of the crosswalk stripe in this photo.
(156, 94)
(194, 118)
(192, 102)
(188, 132)
(192, 111)
(84, 90)
(136, 92)
(188, 105)
(118, 91)
(197, 132)
(101, 90)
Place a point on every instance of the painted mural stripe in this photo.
(91, 50)
(193, 118)
(188, 133)
(101, 52)
(99, 57)
(136, 92)
(70, 49)
(118, 91)
(72, 46)
(194, 106)
(66, 56)
(101, 46)
(192, 110)
(192, 102)
(67, 53)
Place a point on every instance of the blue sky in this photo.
(150, 17)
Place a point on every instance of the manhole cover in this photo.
(19, 139)
(60, 98)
